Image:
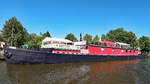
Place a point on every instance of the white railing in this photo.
(61, 46)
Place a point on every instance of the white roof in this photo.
(80, 43)
(56, 39)
(123, 43)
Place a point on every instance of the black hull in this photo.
(22, 56)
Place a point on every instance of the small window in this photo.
(102, 49)
(126, 51)
(113, 50)
(49, 42)
(122, 51)
(130, 51)
(45, 43)
(134, 51)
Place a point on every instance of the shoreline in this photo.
(2, 58)
(2, 55)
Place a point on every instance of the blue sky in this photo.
(61, 17)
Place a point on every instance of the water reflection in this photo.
(3, 73)
(46, 73)
(111, 72)
(142, 72)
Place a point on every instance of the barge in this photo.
(54, 50)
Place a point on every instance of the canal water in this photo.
(108, 72)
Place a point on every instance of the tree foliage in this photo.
(36, 40)
(144, 44)
(96, 39)
(46, 34)
(120, 35)
(103, 37)
(71, 37)
(132, 40)
(14, 32)
(88, 38)
(1, 37)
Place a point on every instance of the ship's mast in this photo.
(80, 37)
(12, 35)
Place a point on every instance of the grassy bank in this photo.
(1, 55)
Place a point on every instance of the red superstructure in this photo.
(111, 51)
(108, 43)
(106, 48)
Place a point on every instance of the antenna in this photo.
(80, 37)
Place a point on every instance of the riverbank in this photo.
(2, 55)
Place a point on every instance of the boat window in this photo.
(62, 43)
(69, 43)
(55, 42)
(49, 42)
(134, 51)
(130, 51)
(102, 49)
(45, 43)
(113, 50)
(122, 51)
(126, 51)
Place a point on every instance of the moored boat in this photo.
(54, 50)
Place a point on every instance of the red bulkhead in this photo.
(110, 51)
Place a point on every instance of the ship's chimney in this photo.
(80, 37)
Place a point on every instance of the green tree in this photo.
(14, 32)
(132, 40)
(47, 34)
(144, 44)
(96, 39)
(34, 40)
(103, 37)
(71, 37)
(120, 35)
(1, 37)
(88, 38)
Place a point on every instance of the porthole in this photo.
(102, 49)
(122, 51)
(130, 51)
(113, 50)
